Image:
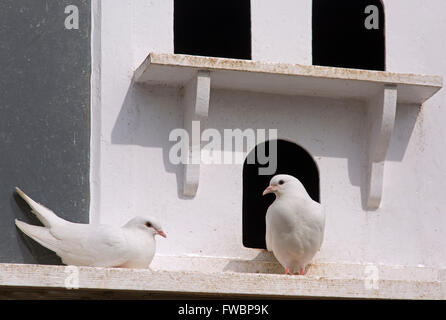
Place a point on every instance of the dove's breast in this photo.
(296, 230)
(141, 249)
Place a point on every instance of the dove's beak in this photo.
(161, 233)
(270, 189)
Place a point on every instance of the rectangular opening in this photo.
(213, 28)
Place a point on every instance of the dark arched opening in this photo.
(343, 35)
(291, 159)
(213, 28)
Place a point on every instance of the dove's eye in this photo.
(148, 225)
(281, 182)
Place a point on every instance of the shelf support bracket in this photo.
(196, 107)
(381, 121)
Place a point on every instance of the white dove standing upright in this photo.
(129, 246)
(294, 224)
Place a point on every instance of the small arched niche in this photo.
(292, 159)
(349, 34)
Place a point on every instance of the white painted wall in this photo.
(414, 201)
(130, 140)
(281, 31)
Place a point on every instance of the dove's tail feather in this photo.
(45, 215)
(40, 234)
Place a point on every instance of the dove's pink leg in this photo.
(287, 270)
(302, 271)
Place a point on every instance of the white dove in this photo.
(294, 224)
(129, 246)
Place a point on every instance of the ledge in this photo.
(49, 281)
(282, 78)
(381, 91)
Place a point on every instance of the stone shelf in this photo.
(281, 78)
(380, 90)
(19, 281)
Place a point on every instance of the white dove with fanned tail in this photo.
(294, 224)
(129, 246)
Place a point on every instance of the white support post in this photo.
(381, 120)
(196, 107)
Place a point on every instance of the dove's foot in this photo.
(301, 272)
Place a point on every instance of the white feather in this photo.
(294, 223)
(132, 245)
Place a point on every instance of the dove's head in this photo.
(284, 183)
(150, 225)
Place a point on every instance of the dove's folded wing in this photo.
(268, 239)
(80, 244)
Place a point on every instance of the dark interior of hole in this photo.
(213, 28)
(291, 159)
(340, 38)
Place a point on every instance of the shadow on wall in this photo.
(147, 116)
(325, 127)
(264, 262)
